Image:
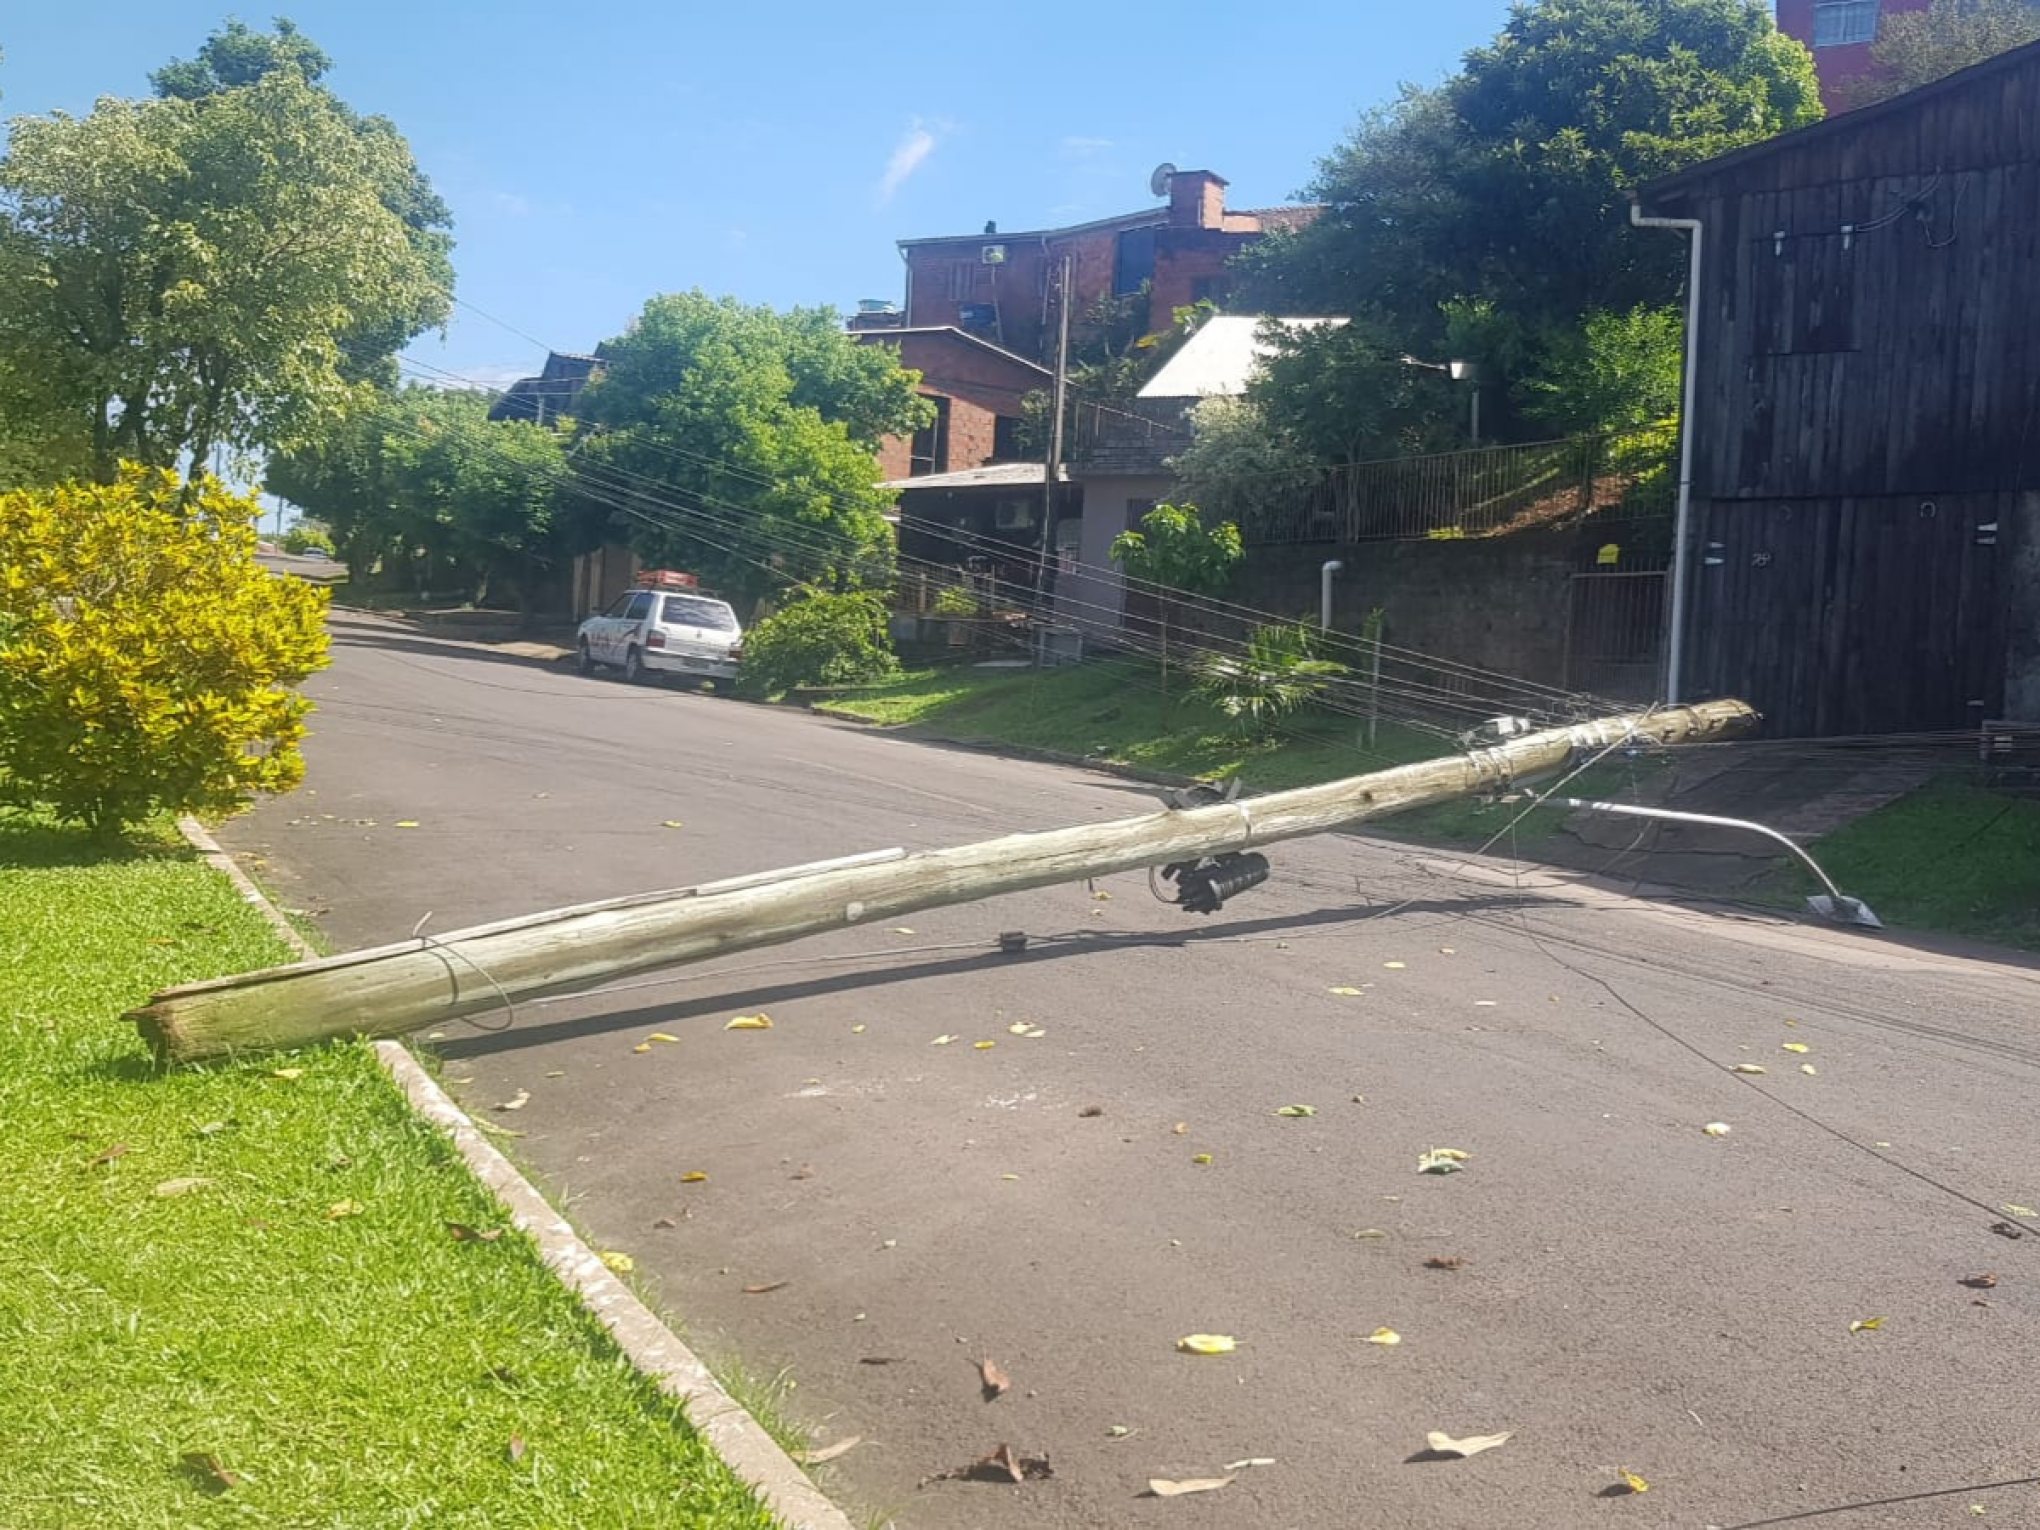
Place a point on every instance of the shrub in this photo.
(1279, 672)
(301, 539)
(822, 640)
(146, 660)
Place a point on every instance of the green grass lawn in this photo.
(229, 1296)
(1950, 856)
(1113, 711)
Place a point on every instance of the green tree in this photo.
(739, 442)
(1179, 555)
(146, 660)
(1492, 210)
(191, 278)
(1616, 372)
(820, 639)
(424, 483)
(1915, 48)
(1242, 465)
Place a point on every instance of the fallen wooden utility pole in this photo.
(403, 987)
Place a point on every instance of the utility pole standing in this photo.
(1051, 484)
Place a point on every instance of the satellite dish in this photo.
(1158, 183)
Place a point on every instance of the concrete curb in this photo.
(729, 1431)
(736, 1437)
(195, 834)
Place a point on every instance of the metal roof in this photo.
(1221, 357)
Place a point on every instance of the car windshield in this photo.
(694, 611)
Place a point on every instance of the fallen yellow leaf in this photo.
(623, 1264)
(1395, 966)
(941, 1041)
(1749, 1068)
(1346, 991)
(1866, 1324)
(984, 1046)
(1207, 1344)
(1161, 1487)
(1716, 1128)
(1201, 1158)
(1384, 1336)
(1809, 1069)
(661, 1036)
(672, 823)
(1634, 1483)
(750, 1023)
(693, 1177)
(857, 1030)
(1017, 1028)
(1034, 1033)
(642, 1046)
(1796, 1046)
(407, 823)
(2011, 1210)
(901, 929)
(1102, 896)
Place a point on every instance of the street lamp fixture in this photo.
(1458, 371)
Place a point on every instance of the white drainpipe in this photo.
(1675, 651)
(1325, 593)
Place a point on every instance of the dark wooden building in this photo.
(1866, 427)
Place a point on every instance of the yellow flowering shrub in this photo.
(146, 660)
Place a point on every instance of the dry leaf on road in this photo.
(1161, 1487)
(941, 1041)
(1749, 1068)
(516, 1101)
(1634, 1483)
(992, 1379)
(1296, 1110)
(1444, 1262)
(842, 1447)
(1866, 1325)
(1239, 1466)
(1796, 1046)
(1443, 1444)
(623, 1264)
(1716, 1128)
(1207, 1344)
(2012, 1210)
(1346, 991)
(764, 1286)
(1980, 1282)
(1002, 1465)
(750, 1023)
(694, 1177)
(1384, 1336)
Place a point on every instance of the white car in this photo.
(658, 632)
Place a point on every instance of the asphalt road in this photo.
(1631, 1294)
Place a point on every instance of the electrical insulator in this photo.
(1203, 886)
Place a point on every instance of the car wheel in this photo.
(633, 666)
(584, 661)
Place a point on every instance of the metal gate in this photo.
(1614, 636)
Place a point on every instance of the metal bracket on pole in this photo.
(1834, 904)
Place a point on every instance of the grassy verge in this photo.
(230, 1295)
(1951, 856)
(1113, 711)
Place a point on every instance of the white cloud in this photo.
(488, 379)
(908, 155)
(511, 203)
(1084, 148)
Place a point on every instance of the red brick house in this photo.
(1840, 33)
(981, 311)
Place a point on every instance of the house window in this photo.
(963, 278)
(929, 451)
(1134, 262)
(1836, 22)
(1006, 439)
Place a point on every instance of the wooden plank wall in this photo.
(1848, 616)
(1868, 395)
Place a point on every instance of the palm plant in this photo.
(1278, 673)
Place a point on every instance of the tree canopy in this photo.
(1488, 215)
(1915, 48)
(740, 443)
(211, 271)
(422, 482)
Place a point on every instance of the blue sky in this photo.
(597, 154)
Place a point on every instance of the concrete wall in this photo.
(1498, 603)
(1093, 595)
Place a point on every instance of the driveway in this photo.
(1604, 1280)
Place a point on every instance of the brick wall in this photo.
(981, 385)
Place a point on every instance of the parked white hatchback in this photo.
(659, 632)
